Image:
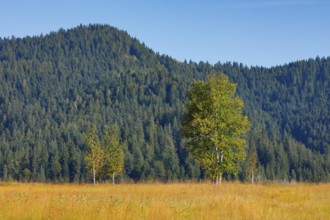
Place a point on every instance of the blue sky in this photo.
(254, 32)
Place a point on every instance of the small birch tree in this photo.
(252, 165)
(95, 155)
(114, 153)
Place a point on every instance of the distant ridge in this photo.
(55, 86)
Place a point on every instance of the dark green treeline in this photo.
(53, 88)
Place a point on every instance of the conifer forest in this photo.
(54, 88)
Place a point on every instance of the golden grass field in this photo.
(165, 201)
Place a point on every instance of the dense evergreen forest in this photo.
(57, 86)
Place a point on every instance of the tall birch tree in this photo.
(214, 126)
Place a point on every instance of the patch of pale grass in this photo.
(165, 201)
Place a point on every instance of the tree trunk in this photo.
(94, 174)
(218, 158)
(113, 178)
(252, 177)
(221, 159)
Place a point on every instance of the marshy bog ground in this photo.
(165, 201)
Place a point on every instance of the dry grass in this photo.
(165, 201)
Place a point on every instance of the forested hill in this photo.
(55, 87)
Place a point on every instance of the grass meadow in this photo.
(165, 201)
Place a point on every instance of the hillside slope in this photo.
(54, 87)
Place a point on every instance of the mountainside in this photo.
(55, 87)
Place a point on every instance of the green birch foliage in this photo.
(215, 126)
(95, 155)
(114, 152)
(252, 165)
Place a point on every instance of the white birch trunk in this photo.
(220, 177)
(218, 158)
(94, 175)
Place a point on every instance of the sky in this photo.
(253, 32)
